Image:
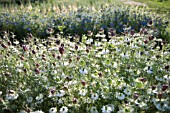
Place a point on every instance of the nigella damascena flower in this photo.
(167, 67)
(89, 33)
(74, 100)
(151, 38)
(29, 99)
(150, 23)
(83, 71)
(11, 95)
(58, 42)
(83, 92)
(38, 111)
(93, 109)
(164, 87)
(37, 71)
(100, 74)
(120, 96)
(53, 110)
(60, 93)
(61, 50)
(50, 31)
(33, 52)
(4, 46)
(76, 47)
(132, 32)
(127, 91)
(64, 109)
(94, 96)
(106, 109)
(25, 48)
(101, 31)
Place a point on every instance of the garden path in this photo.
(131, 2)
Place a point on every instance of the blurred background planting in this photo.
(79, 16)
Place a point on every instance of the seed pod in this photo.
(164, 87)
(37, 71)
(61, 50)
(25, 48)
(4, 46)
(33, 51)
(76, 47)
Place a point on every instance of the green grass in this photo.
(159, 7)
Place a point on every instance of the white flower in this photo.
(105, 52)
(0, 92)
(121, 111)
(93, 109)
(118, 50)
(161, 106)
(11, 95)
(39, 97)
(127, 91)
(29, 99)
(106, 109)
(16, 42)
(60, 93)
(158, 78)
(60, 101)
(83, 92)
(167, 77)
(53, 110)
(102, 36)
(83, 71)
(38, 111)
(124, 55)
(115, 65)
(120, 96)
(94, 96)
(112, 106)
(64, 109)
(149, 71)
(22, 111)
(143, 105)
(89, 41)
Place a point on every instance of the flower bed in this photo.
(55, 75)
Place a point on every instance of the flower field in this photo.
(111, 61)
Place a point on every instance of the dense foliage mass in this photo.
(57, 58)
(128, 74)
(78, 21)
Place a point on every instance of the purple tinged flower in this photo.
(89, 33)
(61, 50)
(160, 95)
(37, 71)
(164, 87)
(58, 42)
(33, 51)
(101, 31)
(74, 100)
(22, 58)
(25, 48)
(100, 74)
(167, 67)
(151, 38)
(132, 32)
(76, 47)
(4, 46)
